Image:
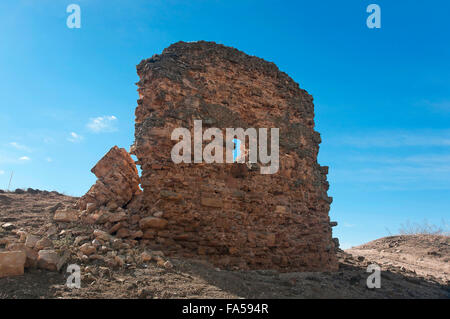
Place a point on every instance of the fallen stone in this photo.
(158, 214)
(96, 243)
(12, 263)
(119, 261)
(8, 226)
(90, 207)
(100, 216)
(100, 234)
(49, 259)
(115, 228)
(43, 243)
(118, 181)
(88, 249)
(31, 254)
(66, 215)
(31, 240)
(80, 239)
(22, 235)
(146, 257)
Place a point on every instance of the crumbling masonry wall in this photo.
(230, 214)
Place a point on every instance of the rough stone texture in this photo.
(66, 215)
(51, 260)
(118, 181)
(12, 263)
(231, 214)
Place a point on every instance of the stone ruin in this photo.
(228, 214)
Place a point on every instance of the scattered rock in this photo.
(114, 218)
(88, 249)
(31, 240)
(90, 207)
(123, 233)
(49, 259)
(99, 234)
(44, 243)
(8, 226)
(158, 214)
(12, 263)
(66, 215)
(146, 257)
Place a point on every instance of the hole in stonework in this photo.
(135, 159)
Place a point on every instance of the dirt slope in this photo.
(30, 212)
(427, 255)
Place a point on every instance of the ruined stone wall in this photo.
(230, 214)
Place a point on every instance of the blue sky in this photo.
(382, 96)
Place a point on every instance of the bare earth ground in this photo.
(412, 267)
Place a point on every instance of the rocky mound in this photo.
(425, 255)
(114, 267)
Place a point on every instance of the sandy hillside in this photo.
(412, 266)
(426, 255)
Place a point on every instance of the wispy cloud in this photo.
(75, 138)
(2, 172)
(102, 124)
(49, 159)
(20, 147)
(24, 158)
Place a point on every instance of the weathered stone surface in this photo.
(43, 243)
(50, 259)
(212, 202)
(66, 215)
(118, 181)
(146, 256)
(8, 226)
(31, 240)
(231, 214)
(31, 254)
(123, 233)
(12, 263)
(152, 222)
(88, 249)
(102, 235)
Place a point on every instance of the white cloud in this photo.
(102, 124)
(20, 146)
(49, 159)
(2, 172)
(74, 137)
(24, 158)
